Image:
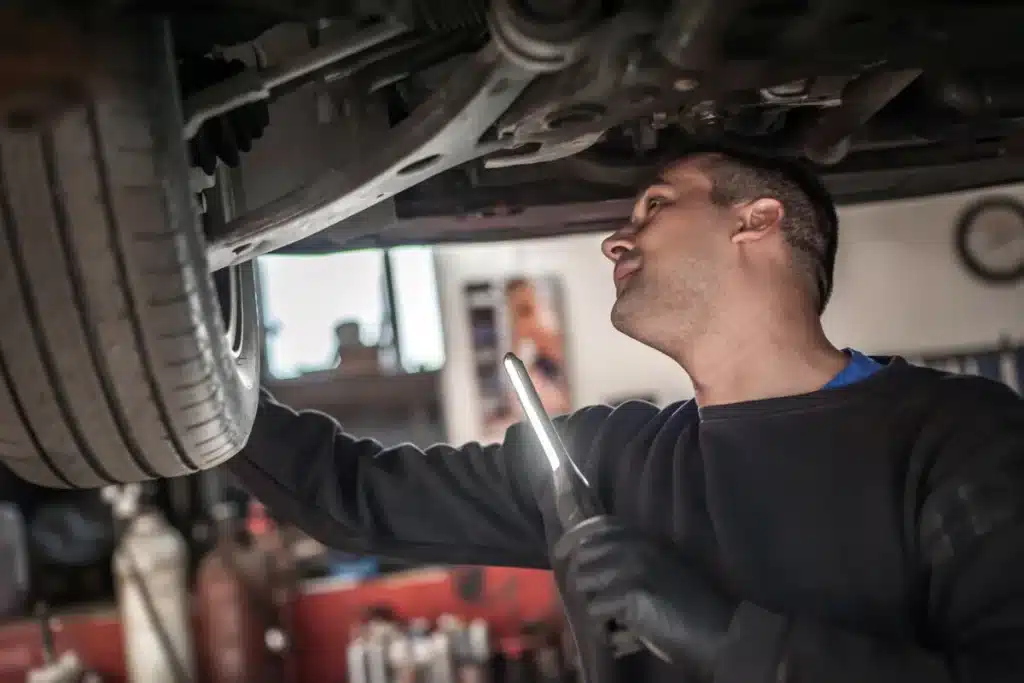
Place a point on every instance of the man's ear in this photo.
(758, 219)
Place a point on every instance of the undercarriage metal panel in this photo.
(446, 131)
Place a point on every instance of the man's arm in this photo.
(965, 511)
(470, 505)
(969, 524)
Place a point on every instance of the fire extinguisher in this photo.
(279, 583)
(231, 623)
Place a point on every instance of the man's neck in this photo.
(760, 360)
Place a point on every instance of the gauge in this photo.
(990, 240)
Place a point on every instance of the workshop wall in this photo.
(899, 288)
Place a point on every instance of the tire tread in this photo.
(111, 368)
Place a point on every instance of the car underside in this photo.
(497, 109)
(475, 108)
(457, 121)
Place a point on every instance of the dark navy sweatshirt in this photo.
(872, 531)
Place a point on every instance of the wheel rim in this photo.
(236, 288)
(233, 328)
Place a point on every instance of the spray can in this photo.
(422, 644)
(448, 647)
(151, 583)
(401, 659)
(377, 648)
(357, 663)
(474, 667)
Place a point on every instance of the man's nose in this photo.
(617, 244)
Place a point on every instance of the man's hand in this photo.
(631, 580)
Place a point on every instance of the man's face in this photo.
(670, 258)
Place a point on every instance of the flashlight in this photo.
(575, 501)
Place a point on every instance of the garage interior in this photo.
(901, 289)
(343, 336)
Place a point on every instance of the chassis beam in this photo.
(447, 130)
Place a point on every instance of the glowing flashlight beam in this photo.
(535, 414)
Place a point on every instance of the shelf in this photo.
(339, 393)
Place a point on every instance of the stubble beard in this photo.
(661, 317)
(625, 310)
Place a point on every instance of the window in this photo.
(306, 297)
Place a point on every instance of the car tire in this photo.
(115, 364)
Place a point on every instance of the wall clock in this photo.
(990, 240)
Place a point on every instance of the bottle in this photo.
(151, 584)
(476, 666)
(357, 664)
(547, 654)
(421, 649)
(230, 625)
(400, 659)
(442, 655)
(14, 574)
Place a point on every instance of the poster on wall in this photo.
(523, 315)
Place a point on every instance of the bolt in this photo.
(685, 84)
(275, 640)
(705, 113)
(790, 89)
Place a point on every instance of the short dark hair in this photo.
(810, 223)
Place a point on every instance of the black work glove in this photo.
(631, 580)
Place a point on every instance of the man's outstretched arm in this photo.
(475, 504)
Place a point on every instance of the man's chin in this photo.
(623, 316)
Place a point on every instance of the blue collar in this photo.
(860, 367)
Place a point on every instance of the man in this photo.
(814, 515)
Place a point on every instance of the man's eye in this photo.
(654, 203)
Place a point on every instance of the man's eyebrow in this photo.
(656, 180)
